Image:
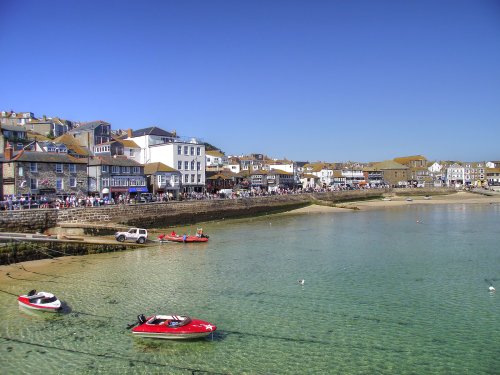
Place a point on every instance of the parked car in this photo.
(145, 198)
(138, 235)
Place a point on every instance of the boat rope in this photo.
(74, 278)
(12, 294)
(39, 281)
(111, 356)
(316, 341)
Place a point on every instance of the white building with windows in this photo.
(455, 175)
(323, 171)
(186, 156)
(215, 158)
(233, 164)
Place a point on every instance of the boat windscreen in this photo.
(48, 299)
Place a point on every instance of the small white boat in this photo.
(386, 199)
(42, 301)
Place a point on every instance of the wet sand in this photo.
(457, 198)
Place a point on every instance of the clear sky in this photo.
(306, 80)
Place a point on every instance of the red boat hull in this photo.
(169, 237)
(160, 327)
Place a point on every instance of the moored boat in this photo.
(173, 327)
(183, 238)
(42, 301)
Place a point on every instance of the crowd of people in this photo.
(12, 202)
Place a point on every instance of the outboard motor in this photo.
(141, 318)
(32, 292)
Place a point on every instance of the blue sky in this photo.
(306, 80)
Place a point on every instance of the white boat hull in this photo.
(166, 336)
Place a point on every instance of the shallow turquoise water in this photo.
(383, 294)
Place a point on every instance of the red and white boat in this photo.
(183, 238)
(173, 327)
(42, 301)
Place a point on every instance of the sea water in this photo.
(400, 291)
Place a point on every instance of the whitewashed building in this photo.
(215, 158)
(187, 156)
(455, 175)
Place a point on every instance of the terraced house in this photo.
(115, 176)
(418, 173)
(278, 179)
(30, 173)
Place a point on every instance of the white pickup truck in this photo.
(138, 235)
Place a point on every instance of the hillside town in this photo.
(49, 159)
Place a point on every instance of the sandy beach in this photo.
(398, 201)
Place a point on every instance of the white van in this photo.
(225, 193)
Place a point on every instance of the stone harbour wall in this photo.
(162, 214)
(32, 221)
(20, 251)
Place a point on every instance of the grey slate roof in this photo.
(14, 128)
(89, 125)
(152, 131)
(47, 157)
(120, 161)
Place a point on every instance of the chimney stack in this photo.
(8, 152)
(129, 133)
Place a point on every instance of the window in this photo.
(192, 150)
(105, 182)
(115, 169)
(59, 184)
(131, 153)
(198, 151)
(192, 165)
(104, 169)
(199, 178)
(33, 168)
(185, 150)
(126, 170)
(136, 170)
(179, 165)
(72, 168)
(72, 182)
(192, 178)
(186, 178)
(33, 183)
(59, 168)
(179, 150)
(198, 165)
(186, 165)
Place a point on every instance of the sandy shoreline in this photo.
(457, 198)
